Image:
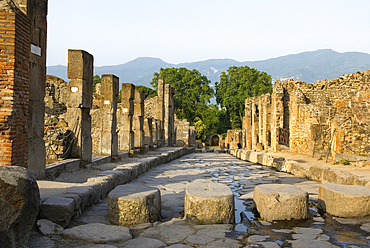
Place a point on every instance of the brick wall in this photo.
(14, 82)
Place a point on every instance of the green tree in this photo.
(148, 92)
(192, 94)
(200, 129)
(96, 80)
(238, 84)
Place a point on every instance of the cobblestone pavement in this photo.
(249, 230)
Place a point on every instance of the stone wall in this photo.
(234, 139)
(328, 115)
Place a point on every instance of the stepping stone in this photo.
(98, 233)
(129, 205)
(346, 201)
(281, 202)
(209, 203)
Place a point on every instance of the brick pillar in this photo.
(125, 113)
(138, 120)
(108, 112)
(37, 12)
(80, 73)
(14, 86)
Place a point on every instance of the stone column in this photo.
(138, 120)
(109, 95)
(154, 132)
(37, 12)
(124, 117)
(168, 119)
(14, 85)
(161, 110)
(148, 131)
(80, 73)
(248, 123)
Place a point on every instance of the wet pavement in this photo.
(320, 230)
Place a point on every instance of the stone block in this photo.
(345, 201)
(278, 163)
(245, 155)
(118, 177)
(129, 205)
(253, 157)
(281, 202)
(317, 172)
(86, 195)
(76, 200)
(267, 160)
(96, 190)
(299, 169)
(36, 157)
(19, 205)
(58, 209)
(80, 64)
(338, 176)
(209, 203)
(106, 183)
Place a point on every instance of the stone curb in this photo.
(321, 174)
(97, 188)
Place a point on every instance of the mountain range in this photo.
(306, 66)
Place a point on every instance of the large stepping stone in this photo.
(281, 202)
(144, 243)
(129, 205)
(346, 201)
(98, 233)
(209, 203)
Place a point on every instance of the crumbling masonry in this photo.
(330, 116)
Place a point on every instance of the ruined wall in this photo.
(234, 139)
(58, 133)
(125, 112)
(308, 118)
(183, 132)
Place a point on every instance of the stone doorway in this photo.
(215, 141)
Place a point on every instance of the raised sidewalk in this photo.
(305, 166)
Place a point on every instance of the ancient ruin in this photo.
(330, 117)
(67, 180)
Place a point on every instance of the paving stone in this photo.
(198, 240)
(169, 232)
(225, 243)
(366, 227)
(265, 245)
(257, 238)
(41, 242)
(97, 246)
(179, 246)
(214, 231)
(144, 243)
(85, 193)
(311, 243)
(98, 233)
(48, 227)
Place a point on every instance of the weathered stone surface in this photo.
(98, 233)
(179, 246)
(85, 193)
(144, 243)
(198, 240)
(19, 205)
(58, 210)
(281, 202)
(225, 243)
(171, 232)
(209, 203)
(97, 246)
(48, 227)
(128, 205)
(347, 201)
(41, 242)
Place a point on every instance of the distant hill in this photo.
(306, 66)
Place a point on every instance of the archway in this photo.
(215, 141)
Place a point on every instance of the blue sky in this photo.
(117, 31)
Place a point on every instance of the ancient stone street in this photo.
(249, 231)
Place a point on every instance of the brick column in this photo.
(14, 86)
(109, 95)
(80, 73)
(124, 118)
